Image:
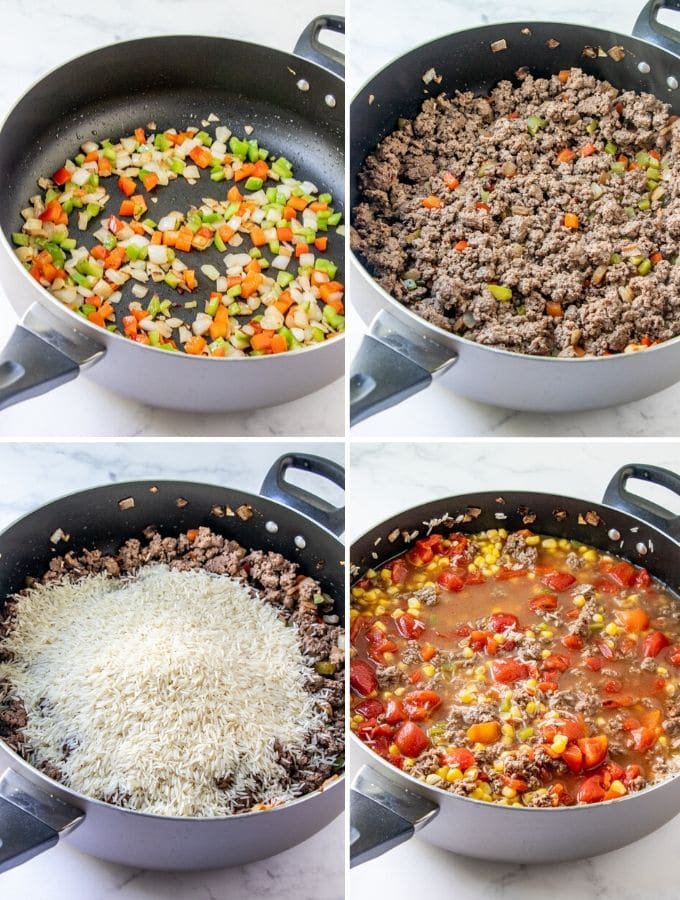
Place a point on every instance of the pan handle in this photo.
(383, 815)
(310, 47)
(650, 29)
(393, 362)
(619, 497)
(41, 355)
(275, 487)
(31, 821)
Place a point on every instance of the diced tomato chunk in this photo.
(419, 704)
(556, 662)
(459, 757)
(558, 581)
(411, 740)
(409, 627)
(369, 709)
(633, 619)
(450, 581)
(395, 711)
(399, 571)
(573, 757)
(654, 643)
(623, 574)
(362, 677)
(572, 641)
(594, 750)
(643, 579)
(544, 602)
(500, 622)
(611, 686)
(594, 663)
(674, 655)
(507, 671)
(574, 729)
(591, 790)
(643, 738)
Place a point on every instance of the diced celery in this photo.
(21, 240)
(177, 165)
(204, 138)
(284, 278)
(253, 184)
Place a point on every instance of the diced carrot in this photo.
(157, 237)
(571, 220)
(484, 206)
(298, 203)
(564, 75)
(655, 154)
(96, 318)
(300, 249)
(565, 155)
(104, 167)
(226, 232)
(139, 314)
(190, 279)
(284, 303)
(140, 204)
(92, 156)
(316, 206)
(284, 233)
(279, 344)
(129, 325)
(234, 195)
(554, 308)
(52, 213)
(127, 185)
(220, 324)
(233, 280)
(170, 238)
(432, 202)
(261, 169)
(115, 258)
(262, 341)
(127, 208)
(250, 284)
(288, 213)
(450, 180)
(106, 310)
(140, 137)
(257, 236)
(655, 258)
(195, 345)
(321, 244)
(137, 227)
(184, 238)
(150, 181)
(99, 252)
(218, 351)
(253, 266)
(461, 245)
(329, 288)
(588, 150)
(513, 115)
(201, 156)
(246, 170)
(337, 305)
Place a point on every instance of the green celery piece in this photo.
(231, 210)
(94, 179)
(325, 198)
(219, 243)
(262, 153)
(253, 184)
(318, 335)
(534, 124)
(282, 167)
(211, 217)
(217, 175)
(283, 279)
(109, 153)
(161, 143)
(57, 254)
(212, 305)
(500, 292)
(154, 307)
(234, 291)
(274, 247)
(253, 151)
(327, 266)
(234, 309)
(93, 209)
(132, 251)
(204, 138)
(69, 244)
(79, 159)
(177, 165)
(335, 219)
(238, 148)
(51, 194)
(255, 253)
(291, 340)
(20, 240)
(171, 280)
(67, 206)
(154, 338)
(610, 148)
(87, 309)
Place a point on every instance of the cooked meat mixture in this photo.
(256, 576)
(546, 674)
(543, 219)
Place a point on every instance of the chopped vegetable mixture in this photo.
(277, 290)
(517, 668)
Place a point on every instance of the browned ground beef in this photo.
(521, 241)
(276, 580)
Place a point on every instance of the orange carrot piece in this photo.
(127, 208)
(288, 213)
(300, 249)
(279, 344)
(321, 244)
(450, 180)
(655, 258)
(97, 318)
(195, 345)
(140, 137)
(157, 237)
(565, 155)
(201, 156)
(250, 284)
(245, 171)
(190, 279)
(257, 236)
(104, 167)
(588, 150)
(150, 181)
(99, 252)
(461, 245)
(127, 185)
(234, 195)
(262, 341)
(298, 203)
(564, 75)
(571, 220)
(432, 202)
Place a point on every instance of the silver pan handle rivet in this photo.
(644, 68)
(303, 84)
(614, 535)
(300, 542)
(672, 82)
(641, 549)
(271, 527)
(330, 100)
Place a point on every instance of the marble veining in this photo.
(382, 31)
(389, 477)
(41, 35)
(34, 474)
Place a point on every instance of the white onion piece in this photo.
(158, 253)
(201, 323)
(280, 262)
(210, 272)
(138, 290)
(306, 259)
(169, 222)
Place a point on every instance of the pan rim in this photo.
(81, 801)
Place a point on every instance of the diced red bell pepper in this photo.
(399, 571)
(61, 176)
(556, 662)
(623, 574)
(543, 602)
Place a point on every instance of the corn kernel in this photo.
(559, 744)
(353, 613)
(663, 740)
(564, 544)
(388, 656)
(398, 692)
(529, 634)
(472, 773)
(509, 792)
(507, 741)
(402, 666)
(394, 750)
(357, 719)
(386, 575)
(499, 638)
(454, 775)
(549, 543)
(516, 712)
(466, 697)
(525, 733)
(661, 670)
(532, 540)
(601, 721)
(612, 629)
(580, 601)
(432, 779)
(413, 603)
(380, 610)
(358, 592)
(380, 625)
(547, 635)
(392, 591)
(531, 684)
(443, 771)
(472, 568)
(531, 707)
(498, 766)
(670, 689)
(598, 617)
(507, 729)
(468, 652)
(478, 561)
(590, 555)
(545, 654)
(428, 671)
(618, 787)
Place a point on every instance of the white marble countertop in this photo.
(650, 867)
(383, 30)
(314, 868)
(43, 34)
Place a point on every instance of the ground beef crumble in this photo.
(276, 580)
(510, 207)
